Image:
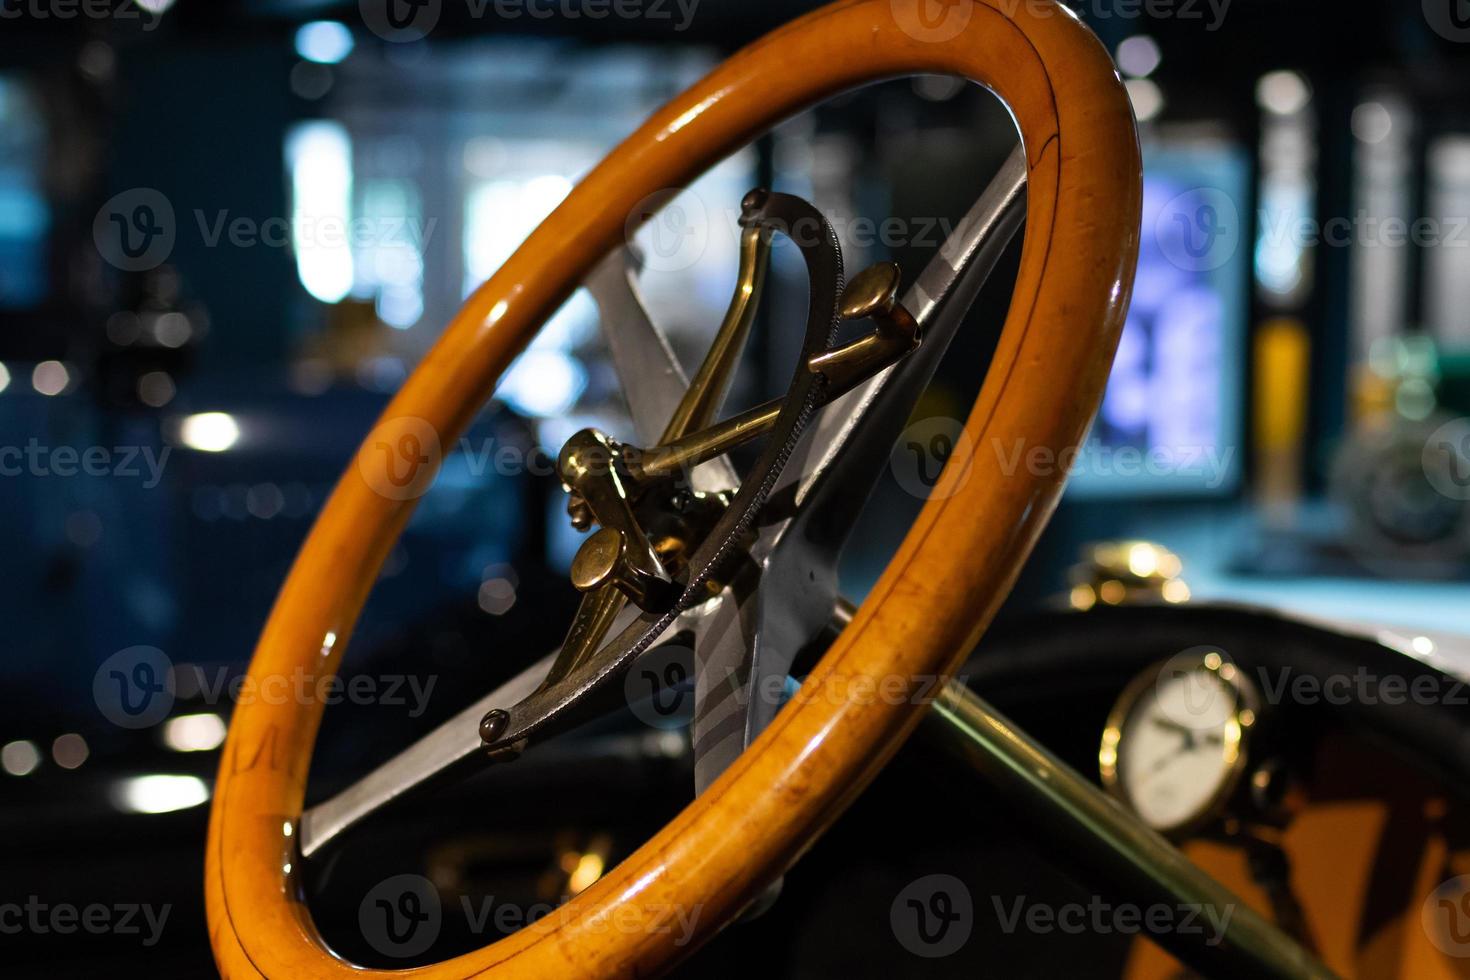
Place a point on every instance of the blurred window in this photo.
(25, 217)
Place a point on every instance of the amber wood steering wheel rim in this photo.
(926, 612)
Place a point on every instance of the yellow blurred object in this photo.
(1282, 367)
(1119, 572)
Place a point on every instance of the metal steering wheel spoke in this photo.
(660, 401)
(697, 557)
(740, 673)
(779, 593)
(443, 753)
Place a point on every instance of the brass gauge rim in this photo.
(1244, 720)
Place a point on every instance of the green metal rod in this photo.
(1125, 858)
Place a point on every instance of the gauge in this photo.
(1175, 743)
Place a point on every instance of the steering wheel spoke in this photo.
(452, 749)
(819, 494)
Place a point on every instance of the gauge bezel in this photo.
(1243, 721)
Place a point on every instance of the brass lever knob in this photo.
(603, 560)
(872, 294)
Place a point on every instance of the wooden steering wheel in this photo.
(767, 804)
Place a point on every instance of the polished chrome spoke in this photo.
(826, 483)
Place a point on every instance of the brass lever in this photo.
(604, 559)
(872, 294)
(619, 554)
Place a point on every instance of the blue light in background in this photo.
(25, 217)
(327, 42)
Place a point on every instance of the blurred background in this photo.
(229, 229)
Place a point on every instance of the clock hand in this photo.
(1169, 724)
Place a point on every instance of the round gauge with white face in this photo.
(1174, 746)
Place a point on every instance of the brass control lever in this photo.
(872, 294)
(608, 558)
(619, 554)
